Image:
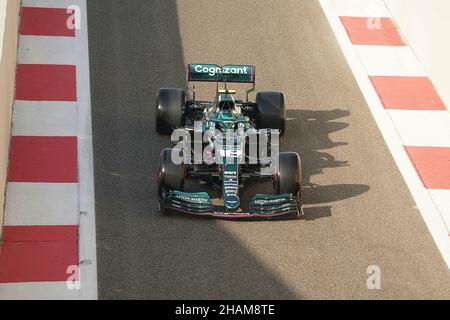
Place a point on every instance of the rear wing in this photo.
(215, 73)
(221, 74)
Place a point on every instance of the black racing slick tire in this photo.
(171, 176)
(271, 111)
(169, 109)
(289, 174)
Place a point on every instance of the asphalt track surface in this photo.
(358, 209)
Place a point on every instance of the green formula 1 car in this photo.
(225, 143)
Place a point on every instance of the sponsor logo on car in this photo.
(229, 73)
(232, 213)
(270, 201)
(191, 199)
(214, 70)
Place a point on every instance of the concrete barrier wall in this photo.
(426, 26)
(9, 20)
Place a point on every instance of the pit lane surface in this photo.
(358, 209)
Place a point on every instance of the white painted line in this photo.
(46, 50)
(48, 3)
(422, 128)
(37, 291)
(87, 242)
(425, 204)
(44, 118)
(442, 200)
(48, 204)
(390, 61)
(361, 8)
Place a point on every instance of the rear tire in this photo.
(271, 111)
(169, 109)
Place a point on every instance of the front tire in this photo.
(289, 175)
(171, 176)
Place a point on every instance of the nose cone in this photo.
(232, 202)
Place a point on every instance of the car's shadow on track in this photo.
(308, 133)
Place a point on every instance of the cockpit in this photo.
(226, 100)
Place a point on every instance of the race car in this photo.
(225, 143)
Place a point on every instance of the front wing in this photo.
(261, 206)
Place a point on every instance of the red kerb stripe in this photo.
(43, 159)
(47, 22)
(38, 253)
(372, 31)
